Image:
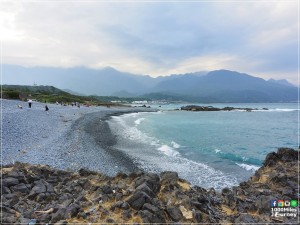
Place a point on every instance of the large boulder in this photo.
(174, 213)
(138, 199)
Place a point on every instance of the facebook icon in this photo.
(273, 203)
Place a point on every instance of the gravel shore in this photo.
(66, 138)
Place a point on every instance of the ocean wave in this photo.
(237, 158)
(248, 167)
(138, 121)
(175, 145)
(167, 150)
(276, 110)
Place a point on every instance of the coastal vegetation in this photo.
(52, 94)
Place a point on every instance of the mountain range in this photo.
(203, 86)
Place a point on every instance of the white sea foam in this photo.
(138, 121)
(248, 167)
(170, 159)
(217, 150)
(276, 110)
(175, 145)
(167, 150)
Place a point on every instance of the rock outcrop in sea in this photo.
(34, 194)
(211, 108)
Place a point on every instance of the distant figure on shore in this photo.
(29, 103)
(46, 108)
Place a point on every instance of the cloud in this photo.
(155, 38)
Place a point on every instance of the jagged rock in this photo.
(138, 196)
(143, 187)
(22, 188)
(126, 214)
(151, 180)
(174, 213)
(138, 199)
(106, 189)
(9, 219)
(262, 203)
(39, 187)
(149, 217)
(197, 216)
(169, 177)
(85, 172)
(109, 220)
(119, 196)
(59, 215)
(24, 220)
(150, 208)
(72, 210)
(186, 213)
(9, 181)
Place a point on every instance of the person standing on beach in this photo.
(47, 109)
(29, 103)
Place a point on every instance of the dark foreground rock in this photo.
(43, 195)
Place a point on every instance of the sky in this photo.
(154, 38)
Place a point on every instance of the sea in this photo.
(208, 149)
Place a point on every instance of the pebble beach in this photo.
(66, 137)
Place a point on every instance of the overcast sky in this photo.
(155, 38)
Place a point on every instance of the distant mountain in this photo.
(214, 86)
(79, 79)
(226, 86)
(282, 81)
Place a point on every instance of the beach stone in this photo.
(106, 189)
(197, 216)
(9, 181)
(138, 199)
(125, 205)
(169, 177)
(12, 201)
(5, 190)
(86, 172)
(72, 210)
(9, 220)
(143, 187)
(150, 208)
(37, 189)
(22, 188)
(126, 214)
(151, 180)
(59, 215)
(119, 196)
(263, 203)
(23, 220)
(174, 213)
(9, 196)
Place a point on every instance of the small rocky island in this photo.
(33, 194)
(211, 108)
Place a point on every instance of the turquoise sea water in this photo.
(210, 149)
